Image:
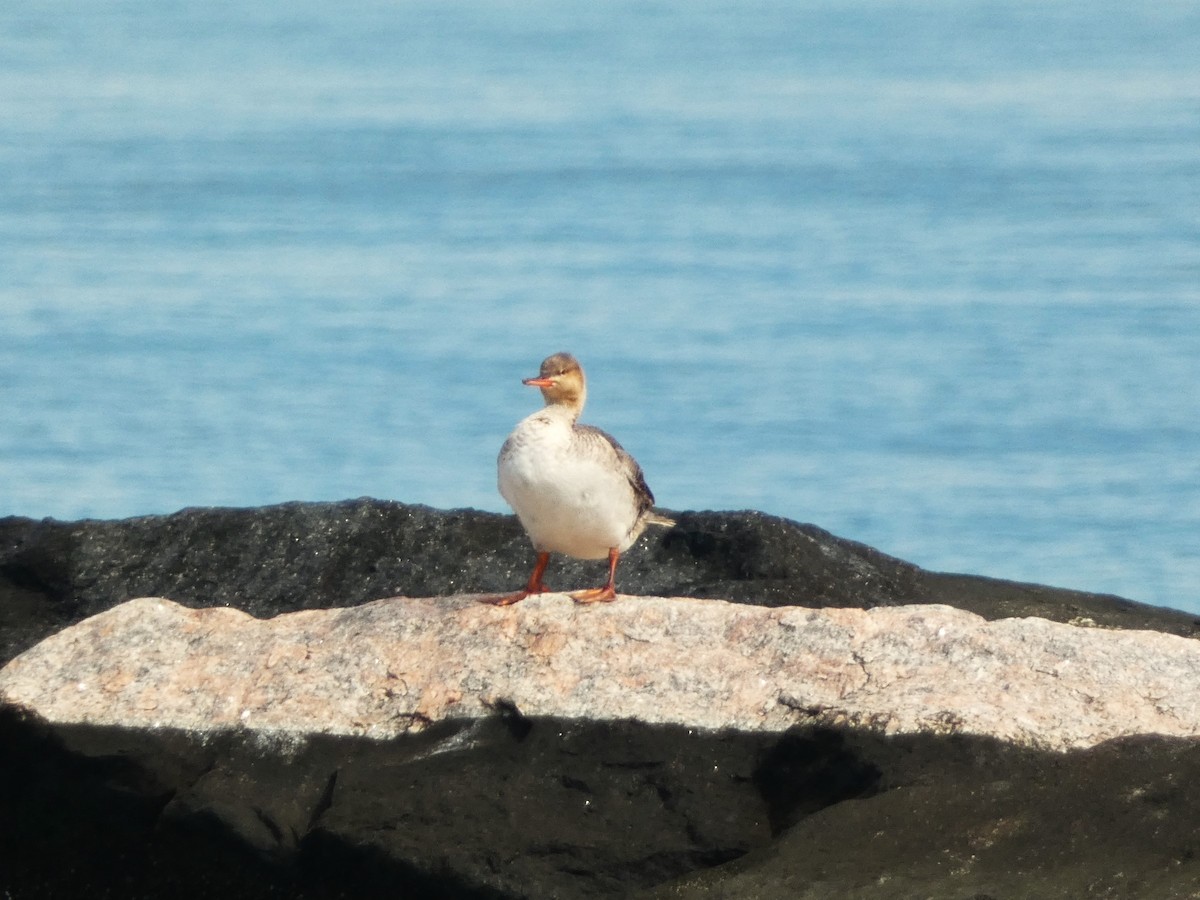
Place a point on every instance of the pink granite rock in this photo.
(397, 665)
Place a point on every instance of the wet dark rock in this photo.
(508, 806)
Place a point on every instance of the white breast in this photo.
(570, 495)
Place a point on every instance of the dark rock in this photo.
(578, 809)
(314, 555)
(961, 818)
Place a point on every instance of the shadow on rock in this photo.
(570, 809)
(557, 808)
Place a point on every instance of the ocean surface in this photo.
(925, 273)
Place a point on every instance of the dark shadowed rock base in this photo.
(544, 808)
(512, 807)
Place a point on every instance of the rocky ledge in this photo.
(401, 665)
(853, 726)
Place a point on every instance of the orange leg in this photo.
(535, 585)
(605, 594)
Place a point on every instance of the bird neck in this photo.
(568, 405)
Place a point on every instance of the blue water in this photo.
(923, 272)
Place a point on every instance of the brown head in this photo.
(562, 382)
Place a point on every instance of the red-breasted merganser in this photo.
(574, 488)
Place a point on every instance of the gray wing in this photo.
(606, 443)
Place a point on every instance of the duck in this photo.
(575, 490)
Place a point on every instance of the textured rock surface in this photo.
(518, 805)
(314, 555)
(392, 666)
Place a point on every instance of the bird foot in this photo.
(605, 594)
(515, 597)
(504, 599)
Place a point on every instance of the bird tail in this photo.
(655, 519)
